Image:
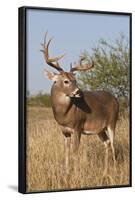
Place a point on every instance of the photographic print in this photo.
(74, 99)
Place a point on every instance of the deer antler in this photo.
(82, 67)
(53, 62)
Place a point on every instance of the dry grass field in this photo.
(45, 156)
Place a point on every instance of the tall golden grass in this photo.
(45, 156)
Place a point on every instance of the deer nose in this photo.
(76, 92)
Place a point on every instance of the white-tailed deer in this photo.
(80, 112)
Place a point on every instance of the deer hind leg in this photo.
(104, 138)
(111, 133)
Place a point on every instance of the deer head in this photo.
(64, 81)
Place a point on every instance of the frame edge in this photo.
(22, 95)
(22, 100)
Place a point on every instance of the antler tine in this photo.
(82, 67)
(45, 38)
(53, 62)
(70, 66)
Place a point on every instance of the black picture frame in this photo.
(22, 87)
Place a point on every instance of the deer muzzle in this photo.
(76, 93)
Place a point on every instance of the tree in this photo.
(111, 69)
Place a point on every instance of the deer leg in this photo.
(111, 134)
(67, 153)
(104, 138)
(75, 141)
(106, 143)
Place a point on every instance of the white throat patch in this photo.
(64, 99)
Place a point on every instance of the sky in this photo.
(72, 33)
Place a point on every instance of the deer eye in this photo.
(66, 81)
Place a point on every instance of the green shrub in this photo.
(39, 100)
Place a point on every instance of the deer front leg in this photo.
(67, 153)
(75, 141)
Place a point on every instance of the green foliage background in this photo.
(111, 70)
(39, 100)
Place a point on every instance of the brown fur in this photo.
(95, 112)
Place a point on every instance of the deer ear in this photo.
(51, 75)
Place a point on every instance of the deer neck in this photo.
(61, 103)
